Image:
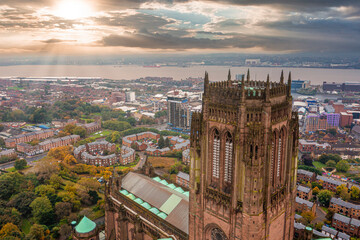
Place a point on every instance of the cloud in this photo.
(54, 40)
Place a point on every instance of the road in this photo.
(320, 215)
(29, 160)
(141, 162)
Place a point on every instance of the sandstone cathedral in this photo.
(242, 177)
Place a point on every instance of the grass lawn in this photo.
(319, 165)
(11, 169)
(325, 209)
(14, 88)
(162, 162)
(25, 226)
(103, 133)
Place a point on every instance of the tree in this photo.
(316, 190)
(1, 127)
(79, 131)
(167, 142)
(38, 232)
(22, 201)
(55, 181)
(324, 197)
(342, 166)
(309, 216)
(10, 184)
(89, 184)
(2, 142)
(307, 160)
(331, 163)
(343, 192)
(69, 128)
(326, 157)
(20, 164)
(94, 196)
(60, 152)
(70, 159)
(62, 209)
(354, 193)
(10, 231)
(161, 142)
(44, 190)
(42, 210)
(332, 131)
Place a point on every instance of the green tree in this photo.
(116, 125)
(79, 131)
(10, 184)
(331, 163)
(324, 197)
(44, 190)
(326, 157)
(55, 181)
(42, 210)
(167, 142)
(161, 142)
(2, 142)
(20, 164)
(332, 131)
(309, 216)
(22, 201)
(342, 166)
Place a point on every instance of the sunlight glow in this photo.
(73, 9)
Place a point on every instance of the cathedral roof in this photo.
(85, 225)
(172, 204)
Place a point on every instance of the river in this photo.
(216, 73)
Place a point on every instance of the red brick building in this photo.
(329, 183)
(347, 225)
(345, 119)
(128, 140)
(304, 192)
(183, 179)
(348, 209)
(302, 205)
(306, 176)
(28, 137)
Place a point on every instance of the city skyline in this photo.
(147, 27)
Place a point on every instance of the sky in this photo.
(108, 27)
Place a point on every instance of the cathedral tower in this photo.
(243, 161)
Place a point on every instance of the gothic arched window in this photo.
(216, 154)
(273, 159)
(217, 234)
(228, 157)
(279, 155)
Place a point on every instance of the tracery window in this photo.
(216, 154)
(279, 154)
(228, 157)
(273, 156)
(217, 234)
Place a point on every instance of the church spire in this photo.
(229, 75)
(206, 82)
(289, 85)
(282, 77)
(267, 89)
(248, 76)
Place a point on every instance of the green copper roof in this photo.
(85, 225)
(157, 179)
(154, 210)
(164, 182)
(308, 228)
(186, 193)
(124, 192)
(131, 196)
(138, 200)
(146, 205)
(172, 186)
(162, 215)
(179, 189)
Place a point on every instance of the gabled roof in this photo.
(157, 195)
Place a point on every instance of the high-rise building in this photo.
(179, 112)
(243, 161)
(130, 96)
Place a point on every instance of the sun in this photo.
(73, 9)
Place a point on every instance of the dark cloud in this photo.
(240, 41)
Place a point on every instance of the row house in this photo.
(304, 192)
(127, 155)
(91, 127)
(183, 179)
(329, 183)
(186, 156)
(28, 137)
(347, 225)
(348, 209)
(302, 205)
(306, 176)
(63, 123)
(128, 140)
(99, 160)
(97, 146)
(29, 149)
(334, 234)
(58, 142)
(157, 152)
(10, 153)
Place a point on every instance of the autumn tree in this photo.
(44, 190)
(309, 216)
(63, 209)
(38, 232)
(343, 192)
(331, 163)
(60, 152)
(46, 168)
(316, 190)
(89, 184)
(10, 231)
(70, 159)
(354, 193)
(55, 181)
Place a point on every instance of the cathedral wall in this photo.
(209, 221)
(277, 227)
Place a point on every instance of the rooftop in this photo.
(85, 225)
